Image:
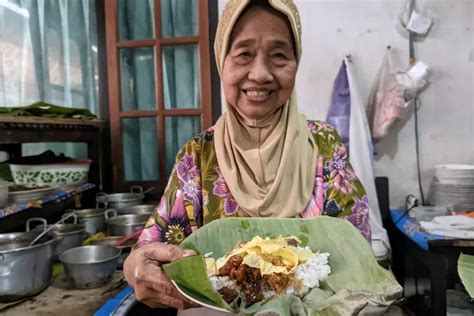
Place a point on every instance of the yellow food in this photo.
(271, 256)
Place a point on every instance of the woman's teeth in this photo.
(257, 95)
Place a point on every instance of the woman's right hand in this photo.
(143, 272)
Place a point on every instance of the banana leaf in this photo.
(357, 282)
(466, 272)
(44, 109)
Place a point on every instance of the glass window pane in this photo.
(135, 19)
(140, 149)
(178, 18)
(181, 76)
(179, 129)
(137, 78)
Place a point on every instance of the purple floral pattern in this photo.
(360, 216)
(341, 173)
(170, 227)
(318, 126)
(189, 178)
(197, 192)
(222, 190)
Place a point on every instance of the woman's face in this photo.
(260, 66)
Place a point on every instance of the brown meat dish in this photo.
(277, 282)
(233, 263)
(251, 285)
(228, 294)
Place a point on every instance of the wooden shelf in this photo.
(17, 130)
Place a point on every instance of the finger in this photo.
(165, 301)
(165, 253)
(153, 291)
(165, 286)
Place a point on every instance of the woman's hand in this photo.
(143, 272)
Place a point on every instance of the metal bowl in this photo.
(125, 248)
(146, 209)
(90, 266)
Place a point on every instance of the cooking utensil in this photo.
(90, 266)
(68, 235)
(121, 200)
(123, 225)
(48, 229)
(126, 239)
(93, 219)
(25, 270)
(137, 209)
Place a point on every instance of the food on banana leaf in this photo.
(261, 269)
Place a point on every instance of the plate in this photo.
(21, 196)
(189, 297)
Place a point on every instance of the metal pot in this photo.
(147, 209)
(125, 248)
(123, 225)
(68, 235)
(90, 266)
(25, 270)
(121, 200)
(93, 219)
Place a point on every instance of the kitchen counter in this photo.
(61, 299)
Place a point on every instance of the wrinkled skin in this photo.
(142, 270)
(260, 66)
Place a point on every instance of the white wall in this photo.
(363, 29)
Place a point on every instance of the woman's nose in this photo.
(260, 71)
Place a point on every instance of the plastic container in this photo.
(427, 213)
(65, 174)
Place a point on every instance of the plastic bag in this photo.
(416, 17)
(386, 100)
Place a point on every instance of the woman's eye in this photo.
(244, 54)
(243, 57)
(279, 56)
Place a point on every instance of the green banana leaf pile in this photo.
(357, 284)
(43, 109)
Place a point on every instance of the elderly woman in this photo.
(262, 158)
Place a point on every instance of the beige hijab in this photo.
(269, 164)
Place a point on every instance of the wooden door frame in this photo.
(209, 97)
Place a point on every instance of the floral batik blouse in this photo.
(197, 193)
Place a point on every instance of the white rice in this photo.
(315, 269)
(219, 282)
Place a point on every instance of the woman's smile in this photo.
(257, 95)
